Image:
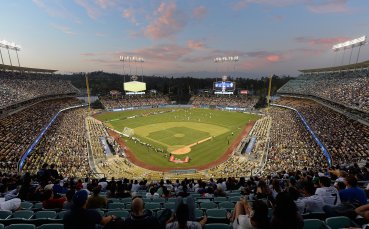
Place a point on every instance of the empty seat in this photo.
(199, 213)
(23, 214)
(26, 205)
(61, 214)
(169, 205)
(119, 213)
(51, 226)
(126, 200)
(220, 199)
(216, 215)
(234, 198)
(4, 214)
(313, 224)
(226, 205)
(21, 226)
(158, 200)
(217, 226)
(338, 222)
(208, 205)
(116, 206)
(1, 226)
(152, 206)
(38, 205)
(45, 215)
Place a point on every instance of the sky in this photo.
(182, 37)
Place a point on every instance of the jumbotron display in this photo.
(134, 87)
(224, 87)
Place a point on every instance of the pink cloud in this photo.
(63, 29)
(195, 44)
(328, 6)
(169, 22)
(321, 41)
(105, 3)
(163, 52)
(130, 15)
(273, 58)
(91, 11)
(199, 12)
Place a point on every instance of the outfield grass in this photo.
(181, 127)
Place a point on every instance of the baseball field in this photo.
(202, 135)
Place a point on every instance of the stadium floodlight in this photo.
(350, 44)
(226, 59)
(12, 46)
(134, 60)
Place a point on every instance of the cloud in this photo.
(195, 44)
(273, 58)
(170, 22)
(199, 12)
(55, 8)
(92, 12)
(279, 3)
(98, 34)
(130, 15)
(63, 29)
(321, 41)
(105, 3)
(328, 6)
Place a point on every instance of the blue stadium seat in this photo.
(61, 214)
(208, 205)
(23, 214)
(217, 226)
(226, 205)
(119, 213)
(4, 214)
(51, 226)
(26, 205)
(116, 205)
(45, 215)
(21, 226)
(313, 224)
(338, 222)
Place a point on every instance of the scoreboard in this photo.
(224, 86)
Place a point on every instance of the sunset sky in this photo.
(183, 37)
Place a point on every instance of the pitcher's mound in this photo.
(183, 150)
(179, 135)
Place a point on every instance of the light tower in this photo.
(12, 46)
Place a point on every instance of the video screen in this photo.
(224, 86)
(134, 86)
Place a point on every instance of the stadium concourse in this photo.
(285, 167)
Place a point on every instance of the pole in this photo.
(352, 48)
(9, 57)
(343, 55)
(269, 89)
(129, 65)
(88, 94)
(358, 54)
(16, 51)
(142, 73)
(2, 60)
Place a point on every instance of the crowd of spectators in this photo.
(275, 200)
(64, 145)
(241, 101)
(134, 101)
(348, 88)
(19, 130)
(19, 87)
(291, 146)
(345, 139)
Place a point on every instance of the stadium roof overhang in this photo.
(349, 67)
(25, 69)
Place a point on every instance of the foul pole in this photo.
(269, 89)
(88, 94)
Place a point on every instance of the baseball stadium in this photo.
(173, 125)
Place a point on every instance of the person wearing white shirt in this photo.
(327, 192)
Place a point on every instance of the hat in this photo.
(80, 198)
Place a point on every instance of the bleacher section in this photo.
(18, 88)
(134, 101)
(240, 101)
(348, 88)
